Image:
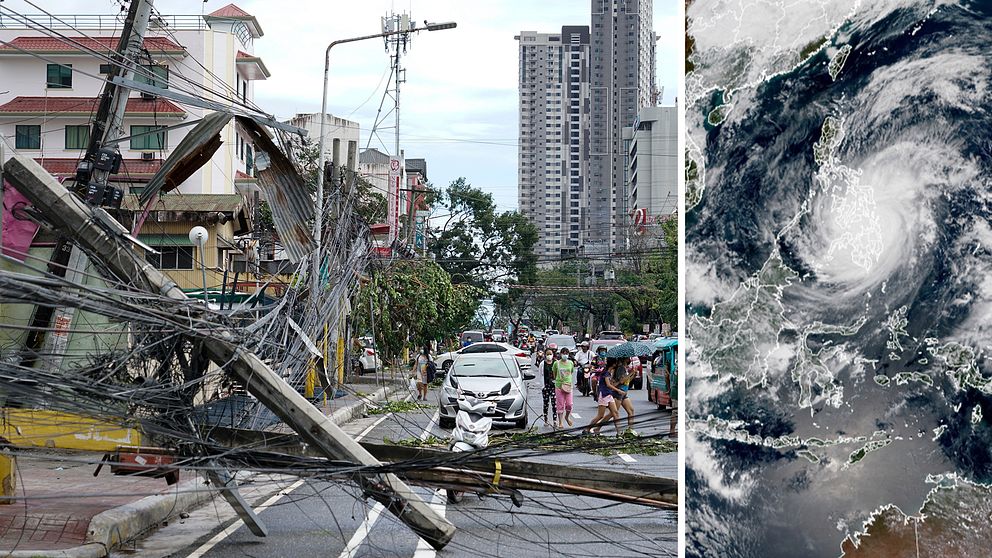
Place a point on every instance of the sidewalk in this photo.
(58, 497)
(63, 510)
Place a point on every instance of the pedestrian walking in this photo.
(623, 375)
(564, 370)
(598, 365)
(583, 357)
(546, 368)
(607, 407)
(423, 359)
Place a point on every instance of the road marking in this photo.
(425, 550)
(363, 530)
(372, 427)
(430, 425)
(627, 458)
(237, 524)
(216, 539)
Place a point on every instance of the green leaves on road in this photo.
(397, 407)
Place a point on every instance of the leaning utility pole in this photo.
(116, 252)
(92, 176)
(103, 159)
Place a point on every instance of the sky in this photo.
(458, 105)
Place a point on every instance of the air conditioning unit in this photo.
(148, 156)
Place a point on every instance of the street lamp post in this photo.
(321, 160)
(198, 236)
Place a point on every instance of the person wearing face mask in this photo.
(598, 364)
(564, 373)
(583, 357)
(546, 368)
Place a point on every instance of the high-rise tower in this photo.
(554, 145)
(621, 83)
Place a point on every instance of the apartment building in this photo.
(554, 147)
(373, 165)
(622, 81)
(51, 85)
(651, 145)
(340, 141)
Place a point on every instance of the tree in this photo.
(478, 245)
(667, 281)
(657, 273)
(413, 301)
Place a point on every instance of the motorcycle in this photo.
(471, 432)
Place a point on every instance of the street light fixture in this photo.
(440, 26)
(317, 223)
(198, 236)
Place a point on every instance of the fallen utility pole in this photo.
(96, 230)
(439, 468)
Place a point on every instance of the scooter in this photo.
(471, 432)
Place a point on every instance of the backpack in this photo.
(431, 370)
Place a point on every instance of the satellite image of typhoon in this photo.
(839, 278)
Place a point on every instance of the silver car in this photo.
(562, 341)
(445, 360)
(492, 377)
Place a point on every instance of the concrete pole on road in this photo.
(67, 212)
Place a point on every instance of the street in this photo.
(325, 519)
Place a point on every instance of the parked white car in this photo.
(367, 361)
(445, 360)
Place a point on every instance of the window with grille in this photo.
(27, 136)
(59, 76)
(77, 137)
(171, 257)
(143, 137)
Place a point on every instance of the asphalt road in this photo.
(326, 519)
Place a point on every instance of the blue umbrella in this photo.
(630, 349)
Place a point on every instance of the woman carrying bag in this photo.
(564, 371)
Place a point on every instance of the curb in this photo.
(351, 412)
(110, 528)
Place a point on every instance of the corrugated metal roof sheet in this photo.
(201, 203)
(165, 239)
(195, 149)
(373, 156)
(291, 202)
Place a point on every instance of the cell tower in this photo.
(396, 46)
